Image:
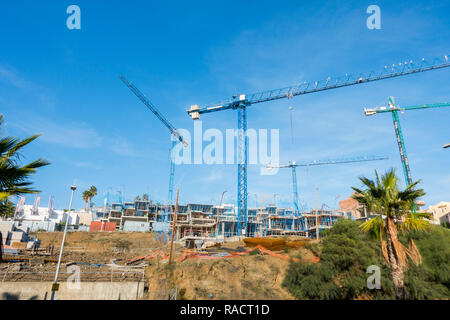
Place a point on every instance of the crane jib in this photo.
(152, 108)
(317, 86)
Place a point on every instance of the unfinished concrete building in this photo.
(216, 223)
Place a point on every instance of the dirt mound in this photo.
(101, 241)
(252, 276)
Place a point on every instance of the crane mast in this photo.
(398, 130)
(401, 145)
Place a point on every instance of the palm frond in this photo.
(384, 196)
(415, 224)
(372, 224)
(13, 176)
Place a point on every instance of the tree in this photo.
(7, 208)
(87, 196)
(394, 211)
(137, 198)
(145, 197)
(93, 192)
(14, 178)
(345, 253)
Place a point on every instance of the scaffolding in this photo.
(197, 223)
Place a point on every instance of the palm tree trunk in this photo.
(397, 258)
(1, 247)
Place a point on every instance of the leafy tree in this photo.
(137, 198)
(394, 210)
(7, 208)
(14, 178)
(145, 197)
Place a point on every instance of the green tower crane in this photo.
(398, 130)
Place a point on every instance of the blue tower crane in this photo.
(242, 101)
(398, 130)
(293, 165)
(172, 129)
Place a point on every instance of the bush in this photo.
(341, 273)
(430, 280)
(60, 226)
(345, 255)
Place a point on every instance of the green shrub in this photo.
(345, 255)
(341, 273)
(430, 280)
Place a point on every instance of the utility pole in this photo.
(292, 128)
(173, 228)
(55, 285)
(317, 218)
(221, 199)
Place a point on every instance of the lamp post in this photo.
(317, 218)
(221, 198)
(55, 285)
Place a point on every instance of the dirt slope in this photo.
(253, 276)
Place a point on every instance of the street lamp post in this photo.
(221, 198)
(55, 285)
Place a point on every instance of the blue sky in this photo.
(64, 84)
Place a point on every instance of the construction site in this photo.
(178, 247)
(177, 233)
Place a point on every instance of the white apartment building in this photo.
(26, 213)
(439, 210)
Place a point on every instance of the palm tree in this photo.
(14, 178)
(394, 211)
(93, 191)
(87, 195)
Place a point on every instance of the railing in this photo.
(87, 273)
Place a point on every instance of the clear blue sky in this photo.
(64, 84)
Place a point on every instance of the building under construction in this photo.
(217, 223)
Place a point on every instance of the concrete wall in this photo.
(86, 291)
(136, 226)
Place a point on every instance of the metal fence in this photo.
(85, 273)
(167, 294)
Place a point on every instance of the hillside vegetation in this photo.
(346, 253)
